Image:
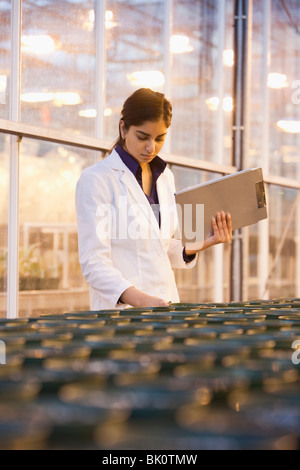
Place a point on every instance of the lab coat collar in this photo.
(127, 177)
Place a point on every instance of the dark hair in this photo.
(145, 105)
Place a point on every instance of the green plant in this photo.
(36, 273)
(29, 261)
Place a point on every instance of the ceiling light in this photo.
(228, 104)
(59, 98)
(148, 79)
(37, 44)
(180, 43)
(68, 98)
(3, 84)
(37, 97)
(92, 113)
(213, 103)
(109, 20)
(90, 22)
(92, 16)
(228, 58)
(88, 113)
(277, 80)
(290, 126)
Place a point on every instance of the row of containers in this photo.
(187, 376)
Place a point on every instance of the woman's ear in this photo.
(122, 129)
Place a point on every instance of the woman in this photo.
(126, 218)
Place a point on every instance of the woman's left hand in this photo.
(221, 233)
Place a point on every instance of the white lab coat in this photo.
(127, 255)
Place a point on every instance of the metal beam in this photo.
(281, 181)
(91, 143)
(239, 99)
(13, 206)
(263, 228)
(100, 67)
(52, 135)
(218, 250)
(168, 26)
(198, 164)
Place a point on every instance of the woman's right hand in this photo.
(136, 298)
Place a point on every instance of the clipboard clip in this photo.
(261, 195)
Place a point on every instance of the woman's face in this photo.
(145, 141)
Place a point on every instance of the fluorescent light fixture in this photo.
(213, 103)
(228, 104)
(147, 78)
(92, 16)
(88, 113)
(277, 81)
(3, 84)
(228, 58)
(39, 44)
(107, 112)
(90, 22)
(37, 97)
(290, 126)
(180, 43)
(109, 20)
(109, 16)
(92, 113)
(59, 98)
(68, 97)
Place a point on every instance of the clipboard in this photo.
(242, 194)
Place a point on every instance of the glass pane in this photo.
(134, 54)
(58, 65)
(4, 181)
(49, 266)
(284, 85)
(281, 93)
(196, 85)
(194, 56)
(5, 20)
(197, 284)
(185, 177)
(282, 202)
(281, 283)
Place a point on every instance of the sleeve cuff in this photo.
(187, 258)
